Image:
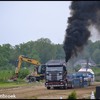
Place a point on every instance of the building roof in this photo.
(83, 62)
(84, 69)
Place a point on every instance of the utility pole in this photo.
(87, 66)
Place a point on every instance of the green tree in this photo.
(96, 56)
(59, 51)
(45, 49)
(5, 54)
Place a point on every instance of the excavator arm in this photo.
(26, 59)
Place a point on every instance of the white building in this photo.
(83, 62)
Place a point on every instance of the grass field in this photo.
(18, 84)
(5, 75)
(11, 84)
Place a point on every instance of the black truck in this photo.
(55, 74)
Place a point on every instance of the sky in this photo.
(23, 21)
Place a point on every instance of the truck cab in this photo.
(55, 74)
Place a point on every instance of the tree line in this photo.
(43, 50)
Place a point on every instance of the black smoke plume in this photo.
(83, 15)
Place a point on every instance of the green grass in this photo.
(5, 75)
(12, 84)
(18, 83)
(96, 70)
(97, 73)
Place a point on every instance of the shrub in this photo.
(5, 75)
(23, 73)
(73, 95)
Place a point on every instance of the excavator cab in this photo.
(41, 69)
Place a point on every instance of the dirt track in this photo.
(40, 92)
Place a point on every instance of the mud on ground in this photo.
(40, 92)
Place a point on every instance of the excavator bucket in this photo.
(14, 78)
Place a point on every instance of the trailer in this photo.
(81, 79)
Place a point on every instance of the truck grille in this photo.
(54, 77)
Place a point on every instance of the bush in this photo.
(23, 73)
(72, 95)
(5, 75)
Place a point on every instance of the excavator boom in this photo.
(26, 59)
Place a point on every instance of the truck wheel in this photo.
(48, 88)
(64, 87)
(32, 79)
(55, 87)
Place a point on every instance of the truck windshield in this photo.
(54, 68)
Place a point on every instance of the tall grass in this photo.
(5, 75)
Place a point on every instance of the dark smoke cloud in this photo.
(83, 15)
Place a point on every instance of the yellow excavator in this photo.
(38, 73)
